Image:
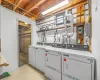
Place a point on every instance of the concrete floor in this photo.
(26, 72)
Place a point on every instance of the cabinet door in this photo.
(32, 56)
(40, 59)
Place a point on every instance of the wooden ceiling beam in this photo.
(35, 17)
(70, 6)
(35, 6)
(0, 1)
(16, 5)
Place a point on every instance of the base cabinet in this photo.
(62, 66)
(32, 54)
(40, 59)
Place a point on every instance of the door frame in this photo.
(17, 21)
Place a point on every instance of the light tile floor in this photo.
(26, 72)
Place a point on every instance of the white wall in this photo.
(9, 36)
(96, 34)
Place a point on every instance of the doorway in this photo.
(24, 42)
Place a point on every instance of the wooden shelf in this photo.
(81, 23)
(3, 62)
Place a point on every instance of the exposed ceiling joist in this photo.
(20, 7)
(17, 5)
(36, 16)
(0, 1)
(35, 6)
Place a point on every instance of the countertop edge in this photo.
(65, 51)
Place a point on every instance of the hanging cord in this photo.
(87, 24)
(70, 36)
(44, 34)
(55, 35)
(65, 29)
(96, 9)
(66, 33)
(56, 31)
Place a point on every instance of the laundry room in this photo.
(49, 40)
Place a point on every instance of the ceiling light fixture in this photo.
(55, 7)
(26, 23)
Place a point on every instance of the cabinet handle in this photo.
(59, 53)
(66, 55)
(66, 66)
(46, 58)
(47, 51)
(52, 68)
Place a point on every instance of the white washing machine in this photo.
(53, 65)
(75, 67)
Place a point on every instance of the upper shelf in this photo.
(77, 24)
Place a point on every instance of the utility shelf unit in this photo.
(82, 23)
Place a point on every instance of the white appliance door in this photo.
(32, 56)
(77, 70)
(40, 59)
(53, 60)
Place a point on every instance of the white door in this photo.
(40, 59)
(77, 70)
(53, 60)
(32, 53)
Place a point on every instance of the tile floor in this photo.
(26, 72)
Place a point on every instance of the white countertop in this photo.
(65, 51)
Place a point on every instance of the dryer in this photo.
(53, 65)
(75, 67)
